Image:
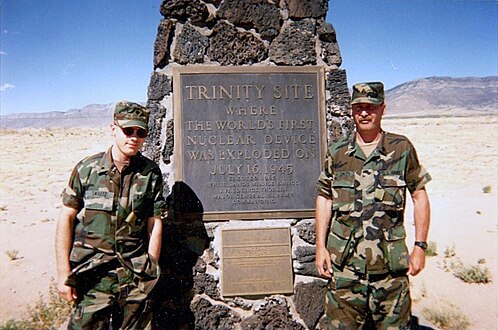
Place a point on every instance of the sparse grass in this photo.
(473, 274)
(450, 252)
(447, 316)
(431, 250)
(486, 189)
(467, 273)
(44, 314)
(12, 254)
(449, 262)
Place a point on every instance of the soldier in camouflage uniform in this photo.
(108, 237)
(360, 236)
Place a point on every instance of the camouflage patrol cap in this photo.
(368, 92)
(128, 114)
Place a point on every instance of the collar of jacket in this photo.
(352, 143)
(106, 162)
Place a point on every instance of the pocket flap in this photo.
(341, 230)
(395, 233)
(343, 179)
(391, 179)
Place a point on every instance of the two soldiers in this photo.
(107, 255)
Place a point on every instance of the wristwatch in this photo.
(422, 245)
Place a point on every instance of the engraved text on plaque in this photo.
(256, 261)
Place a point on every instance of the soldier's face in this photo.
(367, 117)
(127, 144)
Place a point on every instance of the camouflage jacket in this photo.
(367, 234)
(112, 224)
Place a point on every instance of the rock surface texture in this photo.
(236, 33)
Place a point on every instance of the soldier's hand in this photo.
(66, 292)
(417, 261)
(322, 262)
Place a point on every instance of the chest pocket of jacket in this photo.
(142, 209)
(99, 200)
(343, 191)
(98, 208)
(390, 191)
(142, 204)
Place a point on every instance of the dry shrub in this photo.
(486, 189)
(48, 313)
(473, 274)
(447, 316)
(12, 254)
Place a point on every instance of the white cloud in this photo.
(4, 87)
(2, 52)
(11, 32)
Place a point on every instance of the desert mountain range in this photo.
(444, 96)
(426, 97)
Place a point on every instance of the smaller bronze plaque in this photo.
(256, 261)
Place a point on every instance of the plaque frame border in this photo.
(290, 290)
(178, 174)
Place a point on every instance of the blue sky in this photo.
(59, 54)
(399, 41)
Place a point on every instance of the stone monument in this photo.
(226, 43)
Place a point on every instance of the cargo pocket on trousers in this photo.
(395, 251)
(338, 283)
(341, 242)
(403, 301)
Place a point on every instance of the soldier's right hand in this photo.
(322, 262)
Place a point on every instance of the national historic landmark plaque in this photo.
(249, 141)
(256, 261)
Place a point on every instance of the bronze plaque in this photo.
(256, 262)
(249, 141)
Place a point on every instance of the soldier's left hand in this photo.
(417, 261)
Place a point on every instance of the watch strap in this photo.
(422, 245)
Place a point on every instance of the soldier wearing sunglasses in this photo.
(108, 237)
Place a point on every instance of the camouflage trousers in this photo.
(109, 298)
(368, 302)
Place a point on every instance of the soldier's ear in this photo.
(383, 108)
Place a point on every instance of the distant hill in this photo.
(444, 96)
(93, 115)
(427, 97)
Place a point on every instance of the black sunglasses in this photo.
(129, 131)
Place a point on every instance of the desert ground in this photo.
(460, 154)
